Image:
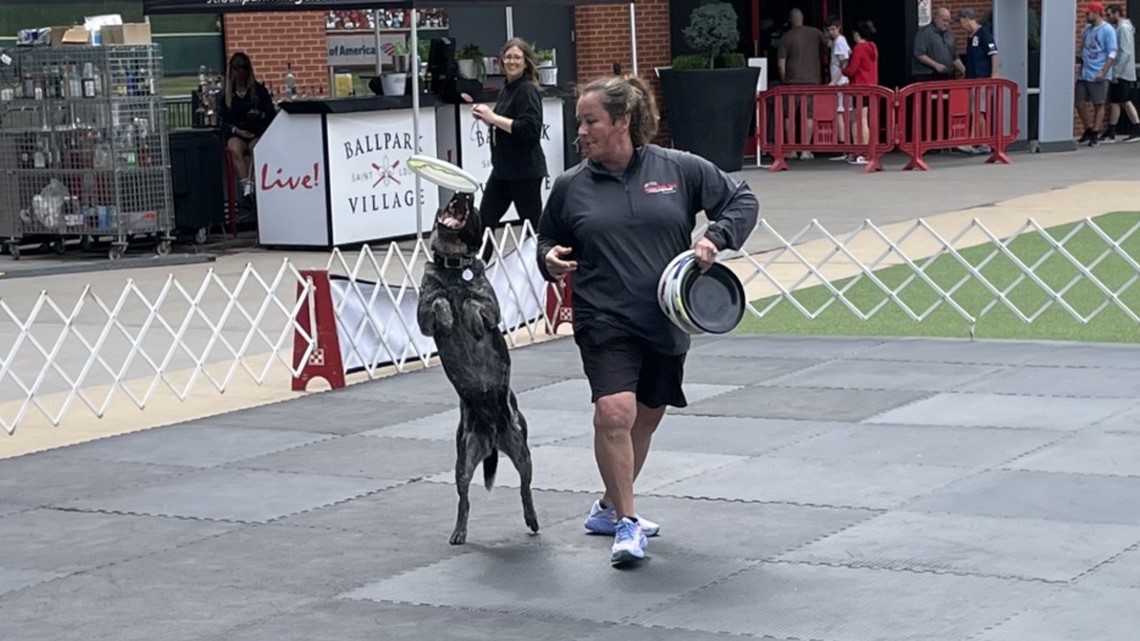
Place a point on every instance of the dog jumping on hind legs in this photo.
(458, 308)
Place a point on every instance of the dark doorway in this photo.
(896, 23)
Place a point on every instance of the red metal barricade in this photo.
(948, 114)
(857, 120)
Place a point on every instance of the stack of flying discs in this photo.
(709, 303)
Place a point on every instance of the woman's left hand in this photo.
(484, 113)
(706, 252)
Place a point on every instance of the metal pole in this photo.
(376, 35)
(510, 23)
(414, 57)
(633, 36)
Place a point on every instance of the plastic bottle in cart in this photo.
(88, 80)
(290, 81)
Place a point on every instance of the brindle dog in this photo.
(458, 308)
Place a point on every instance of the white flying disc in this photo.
(443, 173)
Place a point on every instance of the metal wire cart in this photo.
(84, 149)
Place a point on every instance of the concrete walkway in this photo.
(826, 489)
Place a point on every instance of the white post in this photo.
(510, 23)
(633, 36)
(414, 57)
(1058, 54)
(376, 35)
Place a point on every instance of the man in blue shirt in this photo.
(1098, 55)
(981, 62)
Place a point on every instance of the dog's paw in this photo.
(531, 521)
(459, 536)
(473, 318)
(444, 319)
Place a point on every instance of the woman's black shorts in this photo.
(615, 361)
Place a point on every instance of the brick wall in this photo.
(602, 38)
(272, 40)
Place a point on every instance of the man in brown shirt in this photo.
(800, 58)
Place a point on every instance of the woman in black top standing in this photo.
(518, 165)
(245, 110)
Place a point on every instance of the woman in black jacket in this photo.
(245, 110)
(518, 165)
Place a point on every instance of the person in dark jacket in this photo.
(518, 165)
(245, 110)
(615, 221)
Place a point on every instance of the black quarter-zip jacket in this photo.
(625, 228)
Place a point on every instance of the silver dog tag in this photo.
(467, 275)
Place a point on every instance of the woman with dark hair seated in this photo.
(245, 110)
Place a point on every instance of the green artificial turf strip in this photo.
(1055, 323)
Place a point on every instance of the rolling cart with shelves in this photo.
(84, 150)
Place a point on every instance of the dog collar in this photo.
(453, 262)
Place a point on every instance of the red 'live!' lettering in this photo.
(292, 183)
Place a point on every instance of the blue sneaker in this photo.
(604, 521)
(629, 542)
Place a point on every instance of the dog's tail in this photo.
(490, 466)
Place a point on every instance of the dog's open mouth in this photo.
(453, 219)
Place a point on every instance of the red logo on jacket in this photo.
(654, 187)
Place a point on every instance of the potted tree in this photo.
(710, 97)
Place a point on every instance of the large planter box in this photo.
(709, 111)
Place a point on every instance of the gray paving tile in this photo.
(1121, 572)
(832, 483)
(820, 347)
(803, 403)
(1001, 410)
(1120, 355)
(426, 511)
(375, 458)
(884, 375)
(12, 579)
(811, 602)
(1041, 495)
(342, 416)
(342, 620)
(316, 563)
(543, 426)
(191, 445)
(1078, 614)
(930, 445)
(229, 494)
(11, 508)
(574, 395)
(573, 469)
(63, 541)
(980, 352)
(729, 529)
(1087, 453)
(1128, 422)
(986, 546)
(549, 581)
(1065, 382)
(743, 370)
(54, 477)
(87, 607)
(726, 434)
